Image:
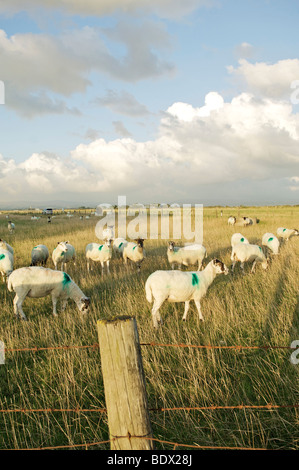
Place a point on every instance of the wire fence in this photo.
(175, 445)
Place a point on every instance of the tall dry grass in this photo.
(258, 309)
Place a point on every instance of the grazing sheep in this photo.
(181, 286)
(271, 241)
(238, 238)
(39, 255)
(118, 245)
(134, 252)
(39, 282)
(99, 253)
(108, 233)
(231, 220)
(250, 253)
(286, 233)
(63, 253)
(6, 263)
(11, 226)
(5, 246)
(187, 255)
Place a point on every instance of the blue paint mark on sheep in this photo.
(2, 256)
(120, 245)
(134, 247)
(284, 229)
(66, 280)
(270, 239)
(195, 280)
(242, 239)
(100, 247)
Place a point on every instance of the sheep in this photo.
(118, 245)
(11, 226)
(39, 255)
(286, 233)
(271, 241)
(108, 233)
(36, 282)
(101, 253)
(231, 220)
(248, 252)
(134, 252)
(5, 246)
(6, 263)
(181, 286)
(63, 253)
(187, 255)
(238, 238)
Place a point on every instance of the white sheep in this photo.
(63, 253)
(11, 226)
(248, 253)
(272, 242)
(39, 255)
(5, 246)
(187, 255)
(231, 220)
(118, 245)
(6, 263)
(99, 253)
(286, 233)
(36, 282)
(181, 286)
(238, 238)
(108, 233)
(134, 252)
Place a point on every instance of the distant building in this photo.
(48, 211)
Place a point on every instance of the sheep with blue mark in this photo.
(39, 255)
(134, 252)
(271, 241)
(6, 263)
(188, 255)
(238, 238)
(99, 253)
(248, 253)
(181, 286)
(286, 233)
(37, 282)
(63, 253)
(118, 245)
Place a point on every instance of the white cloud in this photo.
(123, 103)
(218, 145)
(271, 80)
(39, 69)
(167, 8)
(244, 50)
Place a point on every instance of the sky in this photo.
(160, 101)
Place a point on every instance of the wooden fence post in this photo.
(125, 391)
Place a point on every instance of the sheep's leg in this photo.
(54, 303)
(87, 266)
(242, 266)
(108, 268)
(103, 265)
(197, 303)
(253, 266)
(186, 310)
(156, 314)
(18, 301)
(233, 266)
(64, 304)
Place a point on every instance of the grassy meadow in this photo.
(248, 310)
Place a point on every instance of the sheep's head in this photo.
(63, 246)
(139, 242)
(171, 246)
(220, 267)
(84, 304)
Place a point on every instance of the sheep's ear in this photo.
(58, 243)
(67, 242)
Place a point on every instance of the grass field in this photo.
(251, 309)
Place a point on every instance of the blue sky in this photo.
(162, 101)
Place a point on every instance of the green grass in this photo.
(250, 309)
